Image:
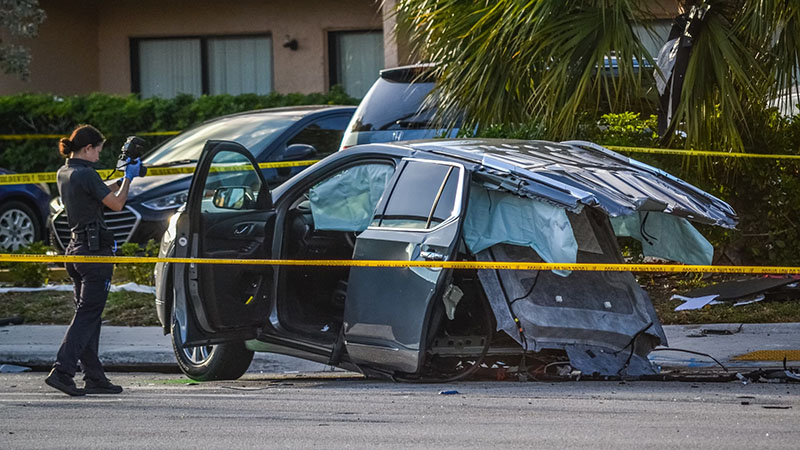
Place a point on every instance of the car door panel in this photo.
(388, 309)
(224, 302)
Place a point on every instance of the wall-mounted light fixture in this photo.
(290, 43)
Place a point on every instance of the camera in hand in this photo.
(133, 147)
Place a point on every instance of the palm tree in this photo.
(502, 61)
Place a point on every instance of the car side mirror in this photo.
(298, 152)
(234, 197)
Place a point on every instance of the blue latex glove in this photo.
(133, 168)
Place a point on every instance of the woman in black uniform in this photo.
(84, 194)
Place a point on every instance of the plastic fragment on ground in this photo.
(739, 289)
(11, 368)
(757, 299)
(691, 303)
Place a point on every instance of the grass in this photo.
(762, 312)
(50, 307)
(136, 309)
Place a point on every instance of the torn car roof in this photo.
(576, 174)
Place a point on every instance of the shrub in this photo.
(120, 116)
(30, 274)
(139, 273)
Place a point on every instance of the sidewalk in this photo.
(121, 348)
(147, 349)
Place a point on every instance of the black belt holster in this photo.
(93, 237)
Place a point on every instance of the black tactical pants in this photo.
(81, 342)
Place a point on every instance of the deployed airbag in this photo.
(495, 217)
(665, 236)
(347, 200)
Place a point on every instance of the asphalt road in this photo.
(301, 411)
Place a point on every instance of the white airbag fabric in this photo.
(495, 217)
(667, 237)
(347, 200)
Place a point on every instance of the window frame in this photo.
(458, 201)
(134, 42)
(333, 53)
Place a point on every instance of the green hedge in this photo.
(120, 116)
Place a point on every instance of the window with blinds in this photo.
(166, 67)
(355, 58)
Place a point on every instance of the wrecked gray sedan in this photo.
(440, 200)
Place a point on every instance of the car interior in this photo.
(322, 223)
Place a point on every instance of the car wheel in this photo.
(227, 361)
(19, 226)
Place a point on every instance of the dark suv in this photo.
(277, 134)
(394, 109)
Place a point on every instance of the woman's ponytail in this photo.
(65, 147)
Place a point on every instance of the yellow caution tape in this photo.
(594, 267)
(158, 133)
(24, 137)
(672, 151)
(50, 177)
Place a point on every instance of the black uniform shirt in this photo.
(82, 192)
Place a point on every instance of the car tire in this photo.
(227, 361)
(19, 225)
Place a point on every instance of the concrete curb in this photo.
(148, 349)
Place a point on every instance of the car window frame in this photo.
(458, 201)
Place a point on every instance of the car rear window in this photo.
(392, 105)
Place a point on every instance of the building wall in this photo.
(64, 54)
(86, 48)
(304, 70)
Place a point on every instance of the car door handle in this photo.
(243, 229)
(432, 256)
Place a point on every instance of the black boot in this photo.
(63, 383)
(104, 386)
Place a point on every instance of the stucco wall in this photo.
(308, 21)
(64, 54)
(84, 46)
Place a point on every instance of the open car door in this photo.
(230, 216)
(388, 310)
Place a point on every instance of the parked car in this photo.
(394, 109)
(277, 134)
(449, 200)
(23, 212)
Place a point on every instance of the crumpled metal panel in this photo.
(577, 174)
(604, 320)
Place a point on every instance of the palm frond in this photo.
(511, 60)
